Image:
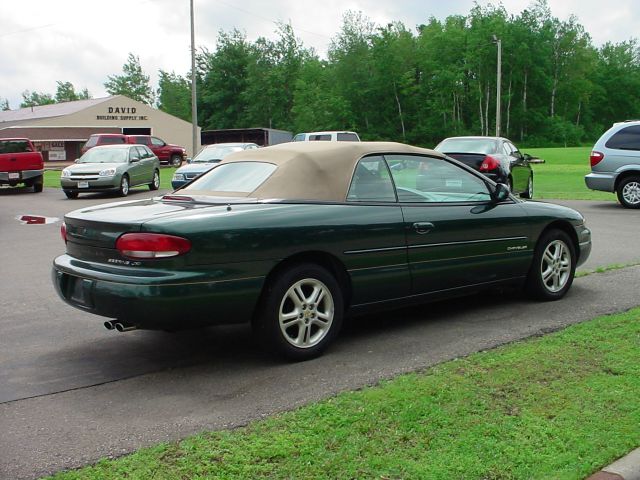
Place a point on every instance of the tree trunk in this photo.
(509, 102)
(523, 127)
(395, 92)
(579, 109)
(486, 111)
(480, 105)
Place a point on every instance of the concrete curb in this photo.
(625, 468)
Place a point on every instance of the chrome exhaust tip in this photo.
(123, 327)
(109, 325)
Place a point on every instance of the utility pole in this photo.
(194, 103)
(498, 85)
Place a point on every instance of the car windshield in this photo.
(215, 154)
(242, 177)
(107, 155)
(467, 145)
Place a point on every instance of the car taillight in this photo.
(489, 163)
(595, 158)
(63, 232)
(151, 245)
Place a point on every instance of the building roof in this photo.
(49, 111)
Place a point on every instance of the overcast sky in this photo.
(84, 41)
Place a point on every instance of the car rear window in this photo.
(322, 138)
(467, 145)
(111, 140)
(241, 177)
(626, 139)
(14, 146)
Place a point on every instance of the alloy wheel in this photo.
(555, 267)
(631, 193)
(306, 313)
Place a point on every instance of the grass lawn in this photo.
(561, 177)
(559, 406)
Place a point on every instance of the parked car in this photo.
(615, 163)
(20, 163)
(496, 157)
(111, 168)
(166, 152)
(330, 136)
(174, 155)
(206, 160)
(99, 139)
(293, 237)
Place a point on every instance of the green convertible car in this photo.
(293, 237)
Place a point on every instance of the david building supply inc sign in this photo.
(122, 114)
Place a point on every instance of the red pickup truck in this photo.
(166, 152)
(20, 163)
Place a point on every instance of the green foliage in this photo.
(33, 99)
(67, 93)
(388, 82)
(174, 95)
(560, 406)
(133, 83)
(4, 104)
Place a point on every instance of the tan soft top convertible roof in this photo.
(316, 170)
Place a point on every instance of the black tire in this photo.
(290, 321)
(155, 183)
(38, 184)
(175, 160)
(71, 194)
(528, 193)
(628, 192)
(553, 267)
(123, 191)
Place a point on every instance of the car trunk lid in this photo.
(473, 160)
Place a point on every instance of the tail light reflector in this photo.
(489, 163)
(151, 245)
(63, 232)
(596, 158)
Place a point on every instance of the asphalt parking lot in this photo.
(72, 392)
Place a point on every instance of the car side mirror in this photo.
(188, 159)
(134, 160)
(500, 193)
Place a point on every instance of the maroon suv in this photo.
(166, 152)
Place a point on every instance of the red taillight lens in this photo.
(151, 245)
(489, 163)
(63, 232)
(596, 158)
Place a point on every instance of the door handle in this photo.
(423, 227)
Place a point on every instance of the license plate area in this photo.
(14, 175)
(78, 290)
(83, 184)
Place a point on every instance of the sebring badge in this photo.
(129, 263)
(519, 247)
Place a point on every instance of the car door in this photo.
(376, 254)
(148, 167)
(160, 148)
(136, 166)
(457, 235)
(519, 167)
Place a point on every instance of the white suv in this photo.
(332, 136)
(615, 163)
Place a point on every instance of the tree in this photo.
(133, 83)
(67, 93)
(34, 99)
(4, 104)
(174, 95)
